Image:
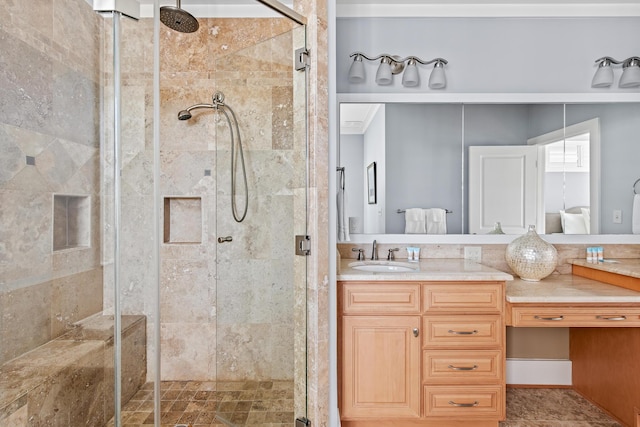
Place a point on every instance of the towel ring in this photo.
(634, 186)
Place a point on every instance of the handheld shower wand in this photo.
(218, 104)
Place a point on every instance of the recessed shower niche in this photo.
(182, 220)
(71, 222)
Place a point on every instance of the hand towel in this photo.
(414, 221)
(343, 219)
(436, 220)
(635, 221)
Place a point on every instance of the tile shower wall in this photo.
(49, 144)
(38, 45)
(241, 330)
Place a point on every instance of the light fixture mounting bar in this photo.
(398, 59)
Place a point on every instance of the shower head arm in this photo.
(197, 106)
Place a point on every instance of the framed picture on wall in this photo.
(371, 183)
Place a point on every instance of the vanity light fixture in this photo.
(604, 74)
(356, 72)
(393, 64)
(630, 72)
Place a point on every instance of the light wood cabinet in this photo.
(464, 402)
(463, 331)
(575, 315)
(421, 354)
(381, 371)
(460, 367)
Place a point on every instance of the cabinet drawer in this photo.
(615, 317)
(464, 401)
(374, 298)
(463, 297)
(471, 331)
(462, 367)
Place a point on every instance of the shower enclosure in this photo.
(129, 294)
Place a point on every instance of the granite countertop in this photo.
(625, 266)
(567, 288)
(436, 269)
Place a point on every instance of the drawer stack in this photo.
(421, 353)
(463, 350)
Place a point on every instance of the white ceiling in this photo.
(356, 118)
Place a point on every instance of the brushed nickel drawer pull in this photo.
(451, 331)
(463, 368)
(464, 405)
(612, 318)
(416, 332)
(554, 319)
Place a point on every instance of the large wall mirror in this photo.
(567, 168)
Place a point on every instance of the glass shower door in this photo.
(261, 283)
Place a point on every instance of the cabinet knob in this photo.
(416, 332)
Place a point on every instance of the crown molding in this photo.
(398, 10)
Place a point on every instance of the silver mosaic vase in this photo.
(530, 257)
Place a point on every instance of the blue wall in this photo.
(488, 55)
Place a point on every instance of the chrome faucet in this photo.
(374, 251)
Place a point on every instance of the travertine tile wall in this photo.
(49, 110)
(227, 310)
(50, 95)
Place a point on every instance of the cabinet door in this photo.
(380, 367)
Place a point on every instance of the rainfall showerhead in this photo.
(178, 19)
(184, 115)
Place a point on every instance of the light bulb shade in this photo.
(356, 72)
(630, 74)
(410, 77)
(603, 76)
(383, 76)
(437, 79)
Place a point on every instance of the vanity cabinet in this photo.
(463, 351)
(421, 353)
(380, 336)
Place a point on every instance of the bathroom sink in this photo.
(384, 266)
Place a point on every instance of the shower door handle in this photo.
(225, 239)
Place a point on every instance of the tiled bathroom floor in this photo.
(552, 407)
(194, 404)
(270, 404)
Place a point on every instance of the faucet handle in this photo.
(360, 253)
(391, 256)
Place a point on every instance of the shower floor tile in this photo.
(196, 404)
(552, 407)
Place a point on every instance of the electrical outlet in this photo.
(473, 253)
(617, 216)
